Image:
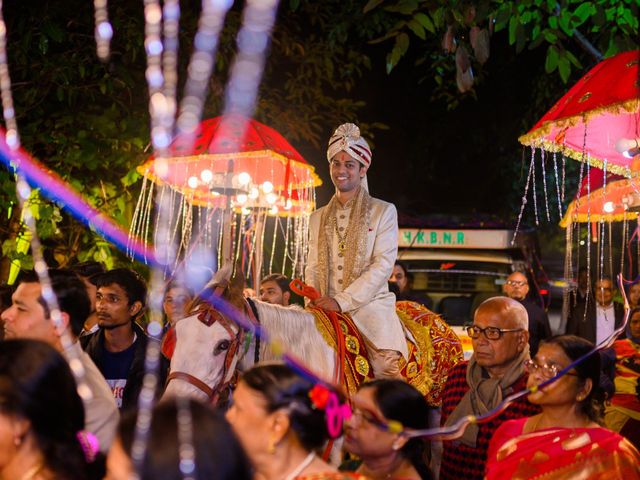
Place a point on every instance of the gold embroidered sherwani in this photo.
(366, 297)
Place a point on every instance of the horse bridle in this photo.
(208, 315)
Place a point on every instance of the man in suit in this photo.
(599, 316)
(353, 244)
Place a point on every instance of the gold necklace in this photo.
(342, 239)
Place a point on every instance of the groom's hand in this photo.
(327, 303)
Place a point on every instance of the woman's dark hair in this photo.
(36, 383)
(218, 454)
(590, 368)
(397, 400)
(283, 388)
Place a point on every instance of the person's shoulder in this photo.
(142, 337)
(457, 376)
(318, 211)
(382, 204)
(624, 347)
(91, 341)
(512, 427)
(316, 215)
(506, 430)
(532, 306)
(458, 369)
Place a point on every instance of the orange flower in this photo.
(319, 396)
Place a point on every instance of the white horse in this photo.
(209, 347)
(201, 351)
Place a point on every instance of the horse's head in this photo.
(207, 343)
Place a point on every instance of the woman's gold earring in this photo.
(271, 448)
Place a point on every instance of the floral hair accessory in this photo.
(319, 396)
(90, 445)
(336, 413)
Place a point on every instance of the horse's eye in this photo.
(222, 346)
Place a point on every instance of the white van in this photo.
(460, 268)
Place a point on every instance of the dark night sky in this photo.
(436, 161)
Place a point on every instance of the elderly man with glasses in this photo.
(517, 287)
(495, 370)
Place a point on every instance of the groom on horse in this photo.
(353, 244)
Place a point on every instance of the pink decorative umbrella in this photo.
(601, 111)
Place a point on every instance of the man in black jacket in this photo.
(517, 287)
(598, 317)
(118, 348)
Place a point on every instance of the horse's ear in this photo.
(237, 281)
(221, 277)
(235, 288)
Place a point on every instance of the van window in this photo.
(459, 277)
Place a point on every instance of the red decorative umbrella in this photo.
(600, 110)
(241, 157)
(238, 173)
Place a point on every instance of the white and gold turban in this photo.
(347, 139)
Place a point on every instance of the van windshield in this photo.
(460, 277)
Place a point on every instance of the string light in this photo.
(544, 182)
(103, 30)
(524, 202)
(533, 186)
(555, 172)
(24, 195)
(201, 63)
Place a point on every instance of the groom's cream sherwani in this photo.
(367, 299)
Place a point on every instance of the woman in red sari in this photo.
(565, 440)
(623, 414)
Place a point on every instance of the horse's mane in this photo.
(295, 328)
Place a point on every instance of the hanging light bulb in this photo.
(241, 198)
(206, 175)
(608, 207)
(273, 210)
(267, 187)
(246, 211)
(288, 204)
(193, 182)
(244, 178)
(254, 193)
(628, 147)
(162, 167)
(271, 198)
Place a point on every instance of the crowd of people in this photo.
(71, 376)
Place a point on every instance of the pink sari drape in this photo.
(560, 453)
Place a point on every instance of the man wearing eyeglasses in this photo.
(517, 287)
(596, 319)
(496, 369)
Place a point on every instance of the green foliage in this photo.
(89, 123)
(611, 26)
(76, 115)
